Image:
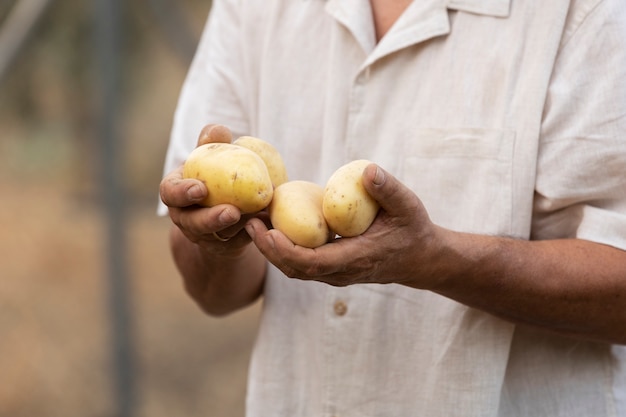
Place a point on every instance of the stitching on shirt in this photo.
(488, 8)
(583, 18)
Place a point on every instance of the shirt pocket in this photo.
(463, 176)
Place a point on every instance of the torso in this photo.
(433, 117)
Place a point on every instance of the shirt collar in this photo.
(498, 8)
(422, 20)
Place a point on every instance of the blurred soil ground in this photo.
(55, 340)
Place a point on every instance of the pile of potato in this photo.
(249, 173)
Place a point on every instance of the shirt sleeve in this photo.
(213, 90)
(581, 173)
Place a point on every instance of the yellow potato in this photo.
(296, 210)
(269, 154)
(348, 209)
(232, 175)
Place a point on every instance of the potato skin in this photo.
(232, 174)
(296, 210)
(348, 209)
(269, 154)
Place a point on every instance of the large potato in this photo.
(232, 175)
(296, 210)
(348, 209)
(270, 155)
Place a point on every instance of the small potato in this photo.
(270, 155)
(348, 209)
(296, 210)
(232, 175)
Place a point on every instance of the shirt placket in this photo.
(341, 317)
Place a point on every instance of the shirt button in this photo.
(340, 308)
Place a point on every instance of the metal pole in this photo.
(16, 29)
(170, 20)
(108, 60)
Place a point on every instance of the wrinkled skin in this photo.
(376, 256)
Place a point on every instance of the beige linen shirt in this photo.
(506, 117)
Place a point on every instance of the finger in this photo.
(202, 224)
(204, 221)
(213, 133)
(278, 249)
(231, 223)
(175, 191)
(393, 196)
(326, 263)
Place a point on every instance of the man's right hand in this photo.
(219, 228)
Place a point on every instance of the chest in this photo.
(385, 13)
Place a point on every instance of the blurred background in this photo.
(93, 317)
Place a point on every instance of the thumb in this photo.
(213, 133)
(393, 196)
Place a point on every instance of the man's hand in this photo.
(221, 270)
(219, 228)
(379, 255)
(211, 227)
(569, 286)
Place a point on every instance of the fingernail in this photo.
(379, 178)
(270, 240)
(194, 193)
(250, 230)
(226, 217)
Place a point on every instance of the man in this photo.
(493, 281)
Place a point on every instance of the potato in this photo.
(296, 210)
(348, 209)
(232, 174)
(269, 154)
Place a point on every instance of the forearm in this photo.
(571, 287)
(219, 284)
